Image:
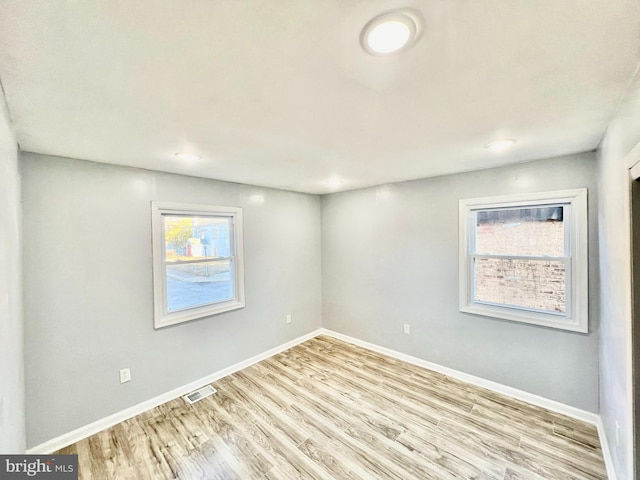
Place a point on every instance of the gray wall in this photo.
(390, 256)
(615, 266)
(88, 287)
(12, 438)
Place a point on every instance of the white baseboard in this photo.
(81, 433)
(472, 379)
(552, 405)
(606, 451)
(99, 425)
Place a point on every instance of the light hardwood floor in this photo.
(326, 409)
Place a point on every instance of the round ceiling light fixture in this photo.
(391, 32)
(500, 145)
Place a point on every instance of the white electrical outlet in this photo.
(288, 318)
(125, 375)
(407, 328)
(617, 434)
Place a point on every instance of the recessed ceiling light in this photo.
(334, 183)
(188, 157)
(391, 32)
(500, 145)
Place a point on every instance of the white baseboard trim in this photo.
(81, 433)
(99, 425)
(537, 400)
(606, 451)
(472, 379)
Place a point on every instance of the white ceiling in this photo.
(279, 93)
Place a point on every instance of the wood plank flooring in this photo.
(327, 409)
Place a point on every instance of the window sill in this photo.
(196, 313)
(523, 316)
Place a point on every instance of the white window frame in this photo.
(163, 318)
(576, 317)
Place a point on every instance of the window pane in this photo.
(195, 284)
(187, 238)
(532, 231)
(538, 284)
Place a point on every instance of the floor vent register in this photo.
(199, 394)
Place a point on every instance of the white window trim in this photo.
(576, 318)
(161, 317)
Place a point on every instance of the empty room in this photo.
(319, 239)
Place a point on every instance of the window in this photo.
(197, 261)
(524, 258)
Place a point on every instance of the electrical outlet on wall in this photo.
(407, 328)
(288, 318)
(125, 375)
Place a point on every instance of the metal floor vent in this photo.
(199, 394)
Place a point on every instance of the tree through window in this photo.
(197, 261)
